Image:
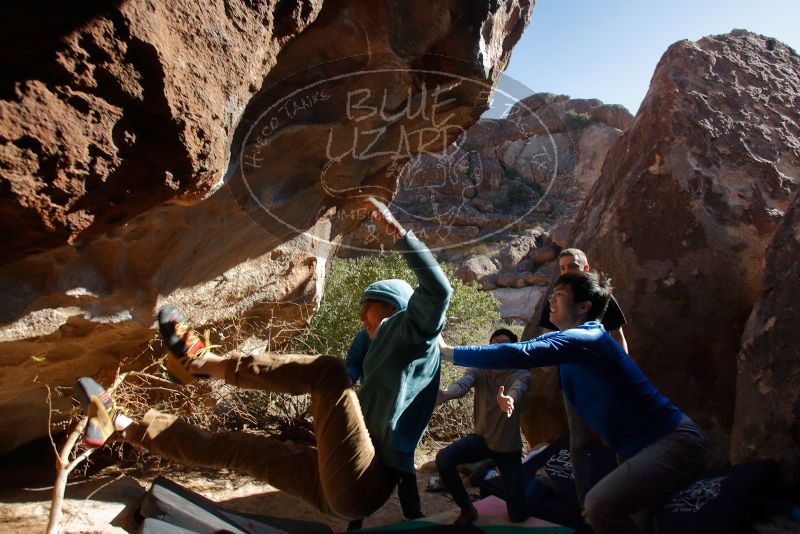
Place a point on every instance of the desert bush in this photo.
(453, 419)
(575, 121)
(536, 187)
(481, 249)
(514, 195)
(210, 404)
(470, 317)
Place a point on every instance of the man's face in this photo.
(568, 264)
(564, 311)
(501, 338)
(373, 312)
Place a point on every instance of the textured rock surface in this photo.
(592, 147)
(519, 247)
(516, 304)
(543, 255)
(548, 113)
(73, 312)
(688, 201)
(476, 269)
(767, 418)
(506, 180)
(108, 111)
(486, 203)
(120, 110)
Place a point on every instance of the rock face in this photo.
(688, 200)
(502, 177)
(476, 269)
(109, 111)
(502, 200)
(516, 304)
(525, 174)
(767, 417)
(209, 156)
(487, 202)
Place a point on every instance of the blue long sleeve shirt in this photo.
(402, 366)
(598, 377)
(354, 361)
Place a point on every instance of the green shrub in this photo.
(470, 317)
(519, 192)
(481, 249)
(501, 198)
(575, 121)
(453, 419)
(537, 187)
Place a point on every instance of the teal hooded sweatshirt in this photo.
(401, 367)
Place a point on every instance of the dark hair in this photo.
(591, 286)
(512, 337)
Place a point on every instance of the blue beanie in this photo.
(395, 292)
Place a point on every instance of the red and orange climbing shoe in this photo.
(99, 408)
(184, 344)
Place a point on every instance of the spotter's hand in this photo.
(505, 402)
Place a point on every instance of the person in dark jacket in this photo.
(498, 404)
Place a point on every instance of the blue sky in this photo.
(608, 49)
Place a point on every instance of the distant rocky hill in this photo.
(501, 200)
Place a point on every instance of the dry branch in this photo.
(63, 464)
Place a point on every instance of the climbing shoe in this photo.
(99, 408)
(184, 344)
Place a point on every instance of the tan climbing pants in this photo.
(341, 476)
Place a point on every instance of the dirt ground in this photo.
(107, 501)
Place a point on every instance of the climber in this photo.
(364, 443)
